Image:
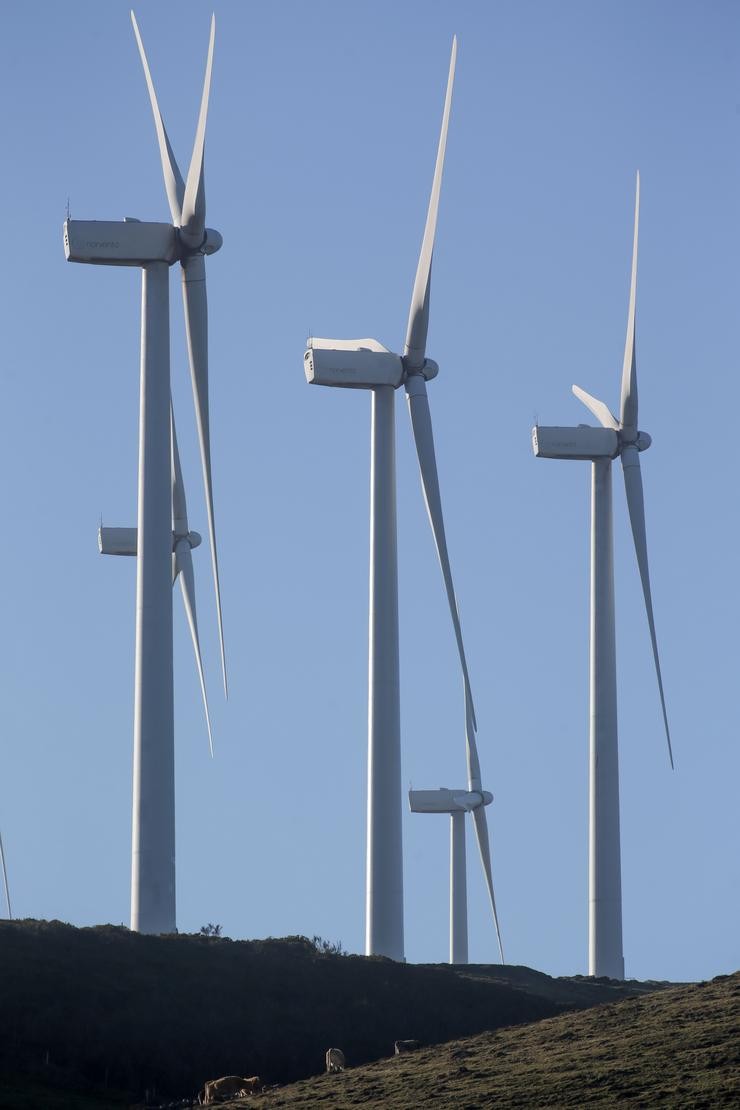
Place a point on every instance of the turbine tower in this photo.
(5, 880)
(154, 247)
(457, 803)
(615, 438)
(367, 364)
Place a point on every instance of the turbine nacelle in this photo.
(120, 242)
(131, 242)
(448, 801)
(357, 364)
(583, 442)
(124, 541)
(351, 363)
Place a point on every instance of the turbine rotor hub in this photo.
(641, 441)
(194, 539)
(211, 242)
(474, 799)
(428, 370)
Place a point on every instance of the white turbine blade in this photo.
(636, 506)
(194, 204)
(173, 181)
(481, 832)
(184, 561)
(421, 422)
(179, 503)
(471, 749)
(598, 408)
(418, 323)
(628, 406)
(196, 327)
(5, 880)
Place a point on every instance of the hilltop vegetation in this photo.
(104, 1010)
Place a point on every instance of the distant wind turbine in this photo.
(5, 880)
(123, 541)
(601, 445)
(457, 803)
(155, 247)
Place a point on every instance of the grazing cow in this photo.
(334, 1060)
(406, 1046)
(252, 1086)
(229, 1086)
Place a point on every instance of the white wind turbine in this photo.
(123, 541)
(457, 803)
(600, 446)
(154, 247)
(367, 364)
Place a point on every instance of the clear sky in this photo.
(321, 142)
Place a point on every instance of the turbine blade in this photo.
(179, 503)
(598, 408)
(628, 406)
(471, 749)
(481, 832)
(173, 181)
(194, 204)
(418, 323)
(5, 880)
(636, 506)
(421, 422)
(184, 560)
(196, 327)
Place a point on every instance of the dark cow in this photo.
(334, 1060)
(407, 1046)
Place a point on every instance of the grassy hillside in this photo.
(677, 1048)
(104, 1010)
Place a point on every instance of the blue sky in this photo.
(320, 150)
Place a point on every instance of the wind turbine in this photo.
(367, 364)
(154, 247)
(457, 803)
(615, 438)
(5, 880)
(123, 541)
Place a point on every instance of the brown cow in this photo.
(229, 1086)
(252, 1086)
(334, 1060)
